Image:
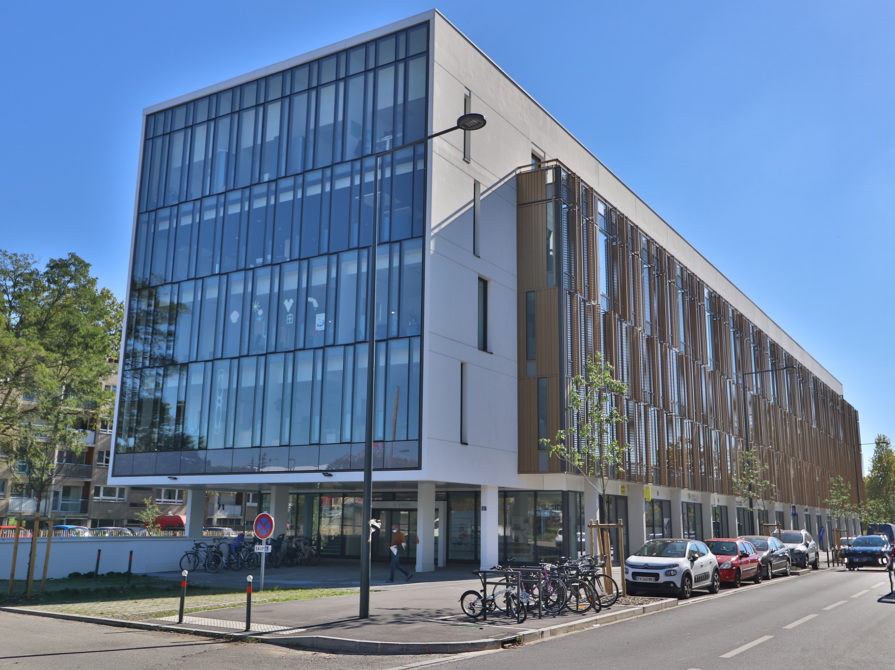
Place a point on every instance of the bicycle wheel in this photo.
(582, 598)
(553, 595)
(214, 561)
(498, 590)
(606, 589)
(189, 561)
(514, 608)
(472, 605)
(253, 561)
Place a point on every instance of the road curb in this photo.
(349, 645)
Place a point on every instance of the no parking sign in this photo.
(263, 526)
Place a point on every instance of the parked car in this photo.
(111, 531)
(802, 548)
(867, 550)
(737, 560)
(774, 555)
(10, 531)
(675, 564)
(67, 530)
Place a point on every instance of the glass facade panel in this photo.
(251, 249)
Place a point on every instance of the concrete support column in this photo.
(425, 527)
(677, 522)
(489, 529)
(279, 507)
(195, 512)
(706, 502)
(635, 525)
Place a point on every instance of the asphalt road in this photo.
(826, 619)
(831, 618)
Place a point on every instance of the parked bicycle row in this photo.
(240, 553)
(578, 585)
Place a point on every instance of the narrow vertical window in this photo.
(476, 216)
(542, 424)
(530, 329)
(551, 245)
(463, 436)
(467, 108)
(483, 315)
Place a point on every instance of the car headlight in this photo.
(671, 573)
(726, 565)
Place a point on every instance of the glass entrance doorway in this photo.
(405, 520)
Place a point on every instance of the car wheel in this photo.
(757, 578)
(715, 585)
(769, 573)
(786, 570)
(816, 564)
(686, 587)
(737, 579)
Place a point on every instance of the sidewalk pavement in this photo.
(419, 616)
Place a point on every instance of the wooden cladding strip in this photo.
(684, 352)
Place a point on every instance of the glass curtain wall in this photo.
(245, 347)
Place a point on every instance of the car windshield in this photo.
(869, 541)
(791, 537)
(722, 548)
(665, 548)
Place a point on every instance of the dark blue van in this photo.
(886, 529)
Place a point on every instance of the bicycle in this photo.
(604, 586)
(504, 599)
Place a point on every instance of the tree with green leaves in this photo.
(149, 515)
(59, 338)
(839, 500)
(880, 482)
(750, 483)
(589, 446)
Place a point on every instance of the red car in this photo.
(737, 560)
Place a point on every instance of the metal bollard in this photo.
(130, 563)
(96, 569)
(182, 595)
(249, 580)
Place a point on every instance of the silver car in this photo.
(802, 547)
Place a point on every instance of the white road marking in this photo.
(877, 585)
(746, 647)
(860, 593)
(799, 622)
(834, 605)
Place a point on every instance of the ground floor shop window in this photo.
(691, 514)
(745, 525)
(463, 530)
(658, 518)
(616, 508)
(530, 526)
(720, 527)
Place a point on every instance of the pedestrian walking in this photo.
(397, 545)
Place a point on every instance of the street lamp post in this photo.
(467, 122)
(746, 424)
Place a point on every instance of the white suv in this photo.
(672, 564)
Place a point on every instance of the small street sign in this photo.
(263, 526)
(262, 548)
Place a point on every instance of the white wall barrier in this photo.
(78, 554)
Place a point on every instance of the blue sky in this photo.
(764, 132)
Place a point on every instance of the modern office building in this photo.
(506, 256)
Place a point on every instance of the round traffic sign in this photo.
(263, 526)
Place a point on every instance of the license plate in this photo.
(646, 579)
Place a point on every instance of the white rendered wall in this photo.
(78, 554)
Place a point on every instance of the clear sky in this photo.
(764, 132)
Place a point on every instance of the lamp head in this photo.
(471, 121)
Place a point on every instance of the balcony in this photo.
(228, 511)
(75, 471)
(70, 505)
(18, 505)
